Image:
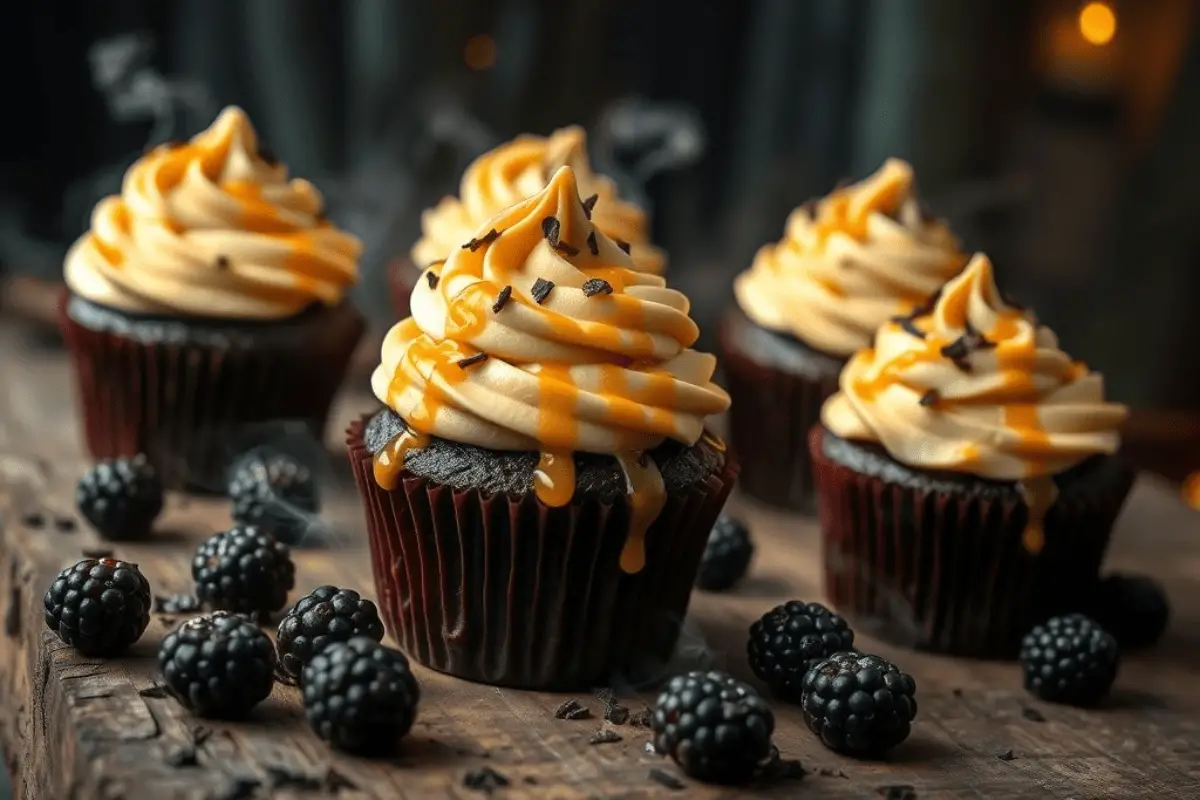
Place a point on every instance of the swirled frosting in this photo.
(972, 384)
(849, 262)
(213, 228)
(514, 171)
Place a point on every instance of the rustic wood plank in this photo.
(75, 727)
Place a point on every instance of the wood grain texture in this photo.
(72, 727)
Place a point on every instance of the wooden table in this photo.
(73, 727)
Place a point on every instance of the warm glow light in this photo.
(1098, 23)
(480, 52)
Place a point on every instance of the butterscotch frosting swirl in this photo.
(213, 228)
(849, 262)
(540, 334)
(514, 171)
(972, 384)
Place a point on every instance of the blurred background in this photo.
(1059, 136)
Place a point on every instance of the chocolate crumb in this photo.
(617, 714)
(604, 736)
(176, 603)
(665, 779)
(1032, 714)
(566, 249)
(957, 351)
(592, 245)
(33, 520)
(155, 692)
(551, 229)
(541, 290)
(897, 792)
(268, 155)
(64, 524)
(1007, 755)
(484, 779)
(607, 696)
(432, 279)
(624, 245)
(931, 398)
(957, 692)
(589, 204)
(595, 286)
(98, 553)
(487, 238)
(582, 712)
(471, 361)
(641, 719)
(501, 299)
(567, 707)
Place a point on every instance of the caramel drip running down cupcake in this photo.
(972, 384)
(519, 169)
(213, 228)
(539, 334)
(849, 262)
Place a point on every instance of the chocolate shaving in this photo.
(624, 245)
(596, 286)
(957, 351)
(487, 238)
(222, 262)
(589, 204)
(931, 398)
(541, 290)
(501, 299)
(471, 361)
(569, 709)
(592, 245)
(267, 155)
(431, 278)
(909, 326)
(566, 249)
(976, 340)
(551, 229)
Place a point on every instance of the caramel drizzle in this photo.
(388, 463)
(1040, 494)
(713, 441)
(647, 497)
(554, 478)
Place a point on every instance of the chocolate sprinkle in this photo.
(487, 238)
(592, 245)
(501, 299)
(909, 326)
(624, 245)
(541, 290)
(589, 204)
(930, 398)
(471, 361)
(432, 279)
(1007, 755)
(666, 779)
(551, 229)
(957, 351)
(596, 286)
(222, 262)
(566, 249)
(604, 736)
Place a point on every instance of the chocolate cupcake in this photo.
(967, 475)
(847, 263)
(539, 488)
(207, 299)
(505, 176)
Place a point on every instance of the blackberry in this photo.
(859, 704)
(1069, 659)
(274, 491)
(121, 498)
(99, 607)
(716, 728)
(1134, 608)
(726, 556)
(791, 638)
(243, 569)
(327, 615)
(218, 665)
(360, 696)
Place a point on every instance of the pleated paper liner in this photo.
(947, 571)
(190, 405)
(510, 592)
(773, 409)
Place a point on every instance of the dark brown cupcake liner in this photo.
(191, 405)
(947, 571)
(400, 277)
(510, 592)
(772, 412)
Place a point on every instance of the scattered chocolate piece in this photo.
(33, 520)
(641, 719)
(592, 245)
(957, 352)
(64, 524)
(589, 204)
(551, 229)
(909, 326)
(1032, 714)
(471, 361)
(567, 708)
(222, 262)
(97, 553)
(665, 779)
(176, 603)
(931, 398)
(541, 290)
(604, 736)
(432, 279)
(617, 714)
(267, 155)
(898, 792)
(579, 713)
(595, 286)
(155, 692)
(957, 692)
(484, 779)
(1007, 755)
(976, 340)
(829, 772)
(566, 249)
(182, 755)
(501, 299)
(624, 245)
(487, 238)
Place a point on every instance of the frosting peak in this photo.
(514, 171)
(850, 261)
(213, 228)
(970, 383)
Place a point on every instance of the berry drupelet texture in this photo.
(273, 491)
(360, 696)
(218, 665)
(121, 498)
(1069, 659)
(99, 607)
(325, 616)
(726, 556)
(716, 728)
(1133, 608)
(245, 570)
(791, 638)
(859, 704)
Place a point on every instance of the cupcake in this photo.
(507, 175)
(967, 476)
(205, 300)
(539, 485)
(847, 264)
